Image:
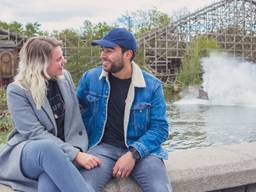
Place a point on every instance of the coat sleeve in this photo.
(157, 132)
(26, 122)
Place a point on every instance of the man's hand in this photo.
(124, 165)
(87, 161)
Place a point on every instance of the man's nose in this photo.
(102, 55)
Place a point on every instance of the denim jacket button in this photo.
(80, 133)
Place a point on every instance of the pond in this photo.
(226, 117)
(205, 125)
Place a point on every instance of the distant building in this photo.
(10, 45)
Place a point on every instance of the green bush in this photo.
(5, 125)
(190, 72)
(3, 102)
(5, 117)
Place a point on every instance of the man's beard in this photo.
(115, 68)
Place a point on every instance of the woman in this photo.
(49, 137)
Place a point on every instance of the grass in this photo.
(5, 126)
(5, 117)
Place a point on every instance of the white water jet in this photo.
(190, 96)
(227, 80)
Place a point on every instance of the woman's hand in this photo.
(87, 161)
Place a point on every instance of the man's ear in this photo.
(129, 54)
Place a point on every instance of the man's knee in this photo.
(99, 176)
(160, 186)
(150, 173)
(151, 164)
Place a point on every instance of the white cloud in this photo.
(60, 14)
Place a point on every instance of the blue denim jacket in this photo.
(145, 124)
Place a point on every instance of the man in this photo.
(124, 112)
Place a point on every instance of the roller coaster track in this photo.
(231, 22)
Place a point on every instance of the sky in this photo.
(61, 14)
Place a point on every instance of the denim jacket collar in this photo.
(137, 76)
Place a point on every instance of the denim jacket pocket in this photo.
(140, 116)
(93, 103)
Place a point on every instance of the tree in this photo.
(4, 25)
(100, 30)
(16, 27)
(31, 29)
(13, 27)
(126, 21)
(141, 21)
(190, 72)
(87, 30)
(92, 31)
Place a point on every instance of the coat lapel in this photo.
(48, 110)
(66, 95)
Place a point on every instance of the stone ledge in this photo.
(212, 168)
(203, 169)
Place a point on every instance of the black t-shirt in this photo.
(114, 130)
(58, 106)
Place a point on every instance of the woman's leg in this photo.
(46, 184)
(44, 158)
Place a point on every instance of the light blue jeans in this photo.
(44, 161)
(150, 172)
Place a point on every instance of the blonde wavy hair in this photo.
(33, 62)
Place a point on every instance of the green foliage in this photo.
(82, 61)
(100, 30)
(15, 27)
(4, 25)
(69, 37)
(139, 56)
(5, 117)
(141, 21)
(30, 29)
(87, 30)
(5, 125)
(190, 72)
(92, 31)
(3, 102)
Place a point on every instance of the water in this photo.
(204, 125)
(229, 81)
(228, 117)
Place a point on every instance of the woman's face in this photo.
(56, 63)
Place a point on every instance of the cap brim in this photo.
(103, 43)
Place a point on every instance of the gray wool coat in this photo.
(31, 124)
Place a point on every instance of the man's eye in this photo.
(109, 51)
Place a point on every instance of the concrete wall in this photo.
(230, 168)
